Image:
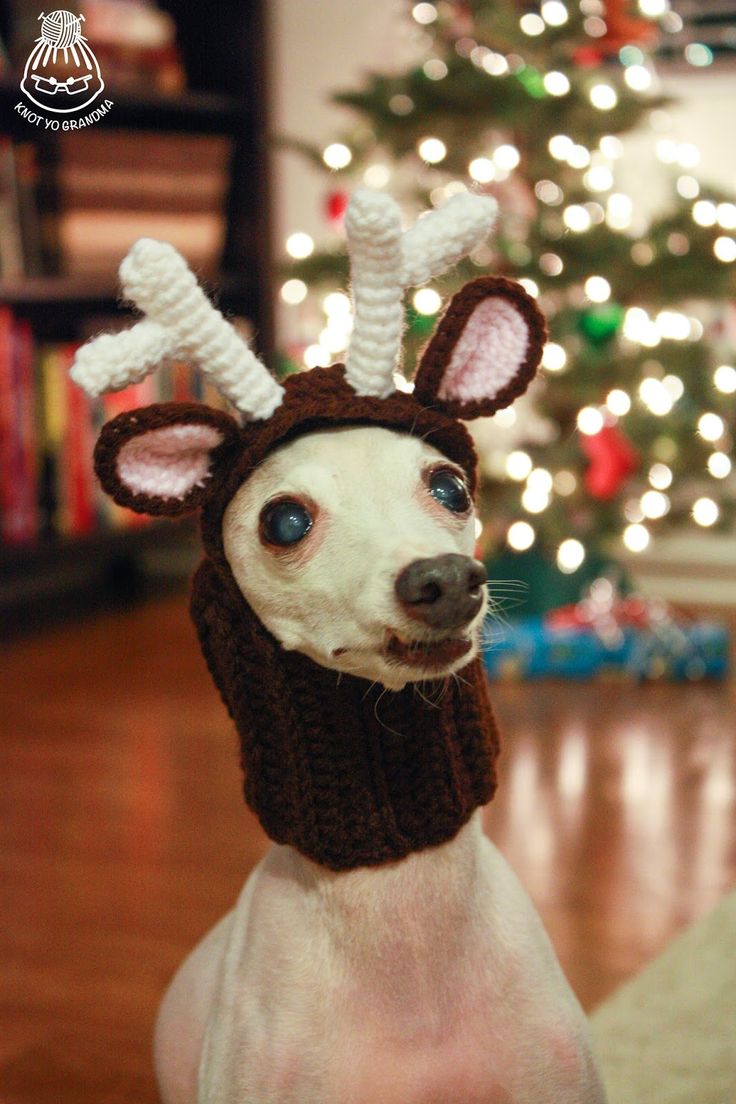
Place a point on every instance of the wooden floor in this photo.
(124, 836)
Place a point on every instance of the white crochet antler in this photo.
(180, 322)
(384, 262)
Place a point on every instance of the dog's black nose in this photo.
(444, 592)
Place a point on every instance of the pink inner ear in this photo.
(489, 352)
(168, 462)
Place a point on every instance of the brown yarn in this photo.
(348, 773)
(438, 352)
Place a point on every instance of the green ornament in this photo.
(599, 325)
(532, 81)
(419, 324)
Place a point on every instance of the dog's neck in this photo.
(348, 773)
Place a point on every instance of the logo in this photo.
(62, 74)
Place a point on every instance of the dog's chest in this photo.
(417, 990)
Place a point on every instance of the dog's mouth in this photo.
(429, 655)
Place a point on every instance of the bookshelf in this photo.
(224, 57)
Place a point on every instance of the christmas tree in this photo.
(627, 432)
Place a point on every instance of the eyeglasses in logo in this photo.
(62, 74)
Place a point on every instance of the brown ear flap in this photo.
(485, 350)
(165, 458)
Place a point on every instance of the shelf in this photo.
(57, 305)
(43, 582)
(188, 112)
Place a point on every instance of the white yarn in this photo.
(373, 225)
(383, 262)
(441, 238)
(181, 322)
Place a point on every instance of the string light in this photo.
(618, 402)
(299, 245)
(726, 213)
(595, 26)
(639, 327)
(655, 396)
(549, 192)
(315, 356)
(520, 536)
(401, 104)
(719, 465)
(578, 157)
(638, 78)
(560, 146)
(337, 156)
(377, 176)
(705, 213)
(337, 304)
(698, 54)
(427, 301)
(705, 512)
(518, 465)
(598, 289)
(495, 64)
(687, 187)
(711, 427)
(636, 537)
(611, 147)
(432, 150)
(653, 9)
(590, 421)
(660, 476)
(534, 500)
(482, 169)
(554, 357)
(603, 97)
(550, 264)
(674, 386)
(532, 24)
(576, 218)
(619, 209)
(424, 13)
(688, 155)
(598, 179)
(724, 378)
(540, 481)
(725, 249)
(672, 325)
(570, 556)
(293, 292)
(434, 69)
(654, 504)
(564, 482)
(556, 83)
(554, 12)
(506, 156)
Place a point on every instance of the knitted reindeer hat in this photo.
(323, 770)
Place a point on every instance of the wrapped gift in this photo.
(607, 634)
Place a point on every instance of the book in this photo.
(18, 474)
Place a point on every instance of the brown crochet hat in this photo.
(324, 770)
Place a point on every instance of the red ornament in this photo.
(622, 29)
(335, 206)
(612, 460)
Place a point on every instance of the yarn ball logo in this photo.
(62, 74)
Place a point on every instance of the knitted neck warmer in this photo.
(346, 772)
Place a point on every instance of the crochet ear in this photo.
(165, 458)
(485, 350)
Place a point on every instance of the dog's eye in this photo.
(449, 490)
(285, 522)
